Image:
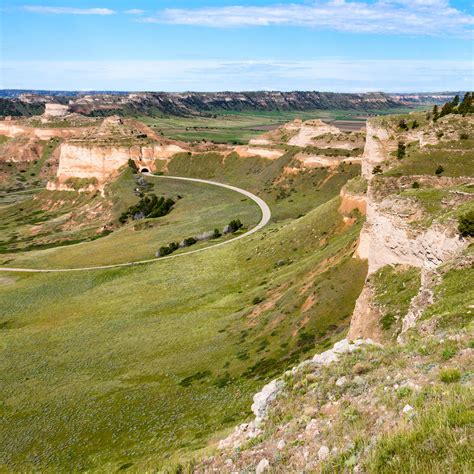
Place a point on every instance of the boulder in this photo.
(262, 466)
(205, 235)
(323, 453)
(262, 399)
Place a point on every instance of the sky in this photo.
(209, 45)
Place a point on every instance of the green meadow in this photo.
(240, 127)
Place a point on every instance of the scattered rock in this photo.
(341, 347)
(407, 409)
(312, 426)
(281, 444)
(341, 381)
(323, 453)
(242, 433)
(262, 466)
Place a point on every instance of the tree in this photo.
(446, 109)
(132, 165)
(466, 224)
(439, 170)
(403, 124)
(401, 151)
(455, 101)
(414, 124)
(466, 106)
(377, 169)
(435, 113)
(235, 225)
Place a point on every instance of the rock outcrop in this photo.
(55, 110)
(104, 162)
(269, 393)
(391, 234)
(12, 129)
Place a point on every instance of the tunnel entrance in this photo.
(144, 170)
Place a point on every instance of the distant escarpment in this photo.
(197, 103)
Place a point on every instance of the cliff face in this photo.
(389, 239)
(399, 231)
(196, 103)
(103, 162)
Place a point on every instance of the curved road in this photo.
(266, 214)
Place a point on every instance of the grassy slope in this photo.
(32, 174)
(135, 365)
(363, 417)
(454, 154)
(93, 364)
(201, 208)
(287, 195)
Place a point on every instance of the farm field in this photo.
(240, 127)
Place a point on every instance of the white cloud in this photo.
(327, 74)
(417, 17)
(67, 10)
(134, 11)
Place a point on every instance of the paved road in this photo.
(266, 214)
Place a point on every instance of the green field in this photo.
(240, 127)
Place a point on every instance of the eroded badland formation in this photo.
(394, 393)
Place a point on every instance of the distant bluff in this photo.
(197, 103)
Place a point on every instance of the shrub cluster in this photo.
(466, 224)
(230, 228)
(167, 249)
(149, 205)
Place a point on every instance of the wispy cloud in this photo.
(414, 17)
(134, 11)
(329, 74)
(67, 10)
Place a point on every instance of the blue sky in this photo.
(331, 45)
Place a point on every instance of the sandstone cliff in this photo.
(103, 162)
(399, 230)
(12, 129)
